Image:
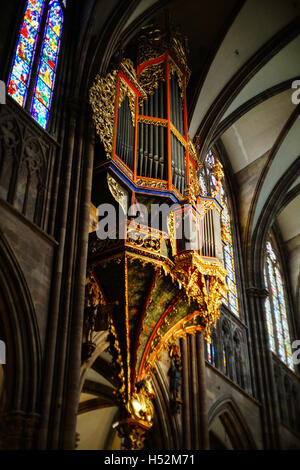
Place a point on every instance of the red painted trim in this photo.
(152, 118)
(174, 58)
(175, 329)
(151, 62)
(129, 83)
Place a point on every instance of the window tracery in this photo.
(29, 84)
(276, 308)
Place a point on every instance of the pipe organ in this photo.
(164, 278)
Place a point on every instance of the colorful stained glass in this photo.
(228, 258)
(52, 39)
(19, 77)
(202, 185)
(47, 67)
(208, 184)
(210, 159)
(270, 325)
(208, 345)
(275, 308)
(39, 112)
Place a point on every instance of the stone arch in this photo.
(23, 351)
(228, 412)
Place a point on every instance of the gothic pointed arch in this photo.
(227, 411)
(23, 349)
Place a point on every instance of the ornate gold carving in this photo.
(150, 77)
(140, 406)
(102, 98)
(206, 204)
(225, 233)
(152, 120)
(96, 318)
(142, 238)
(180, 77)
(179, 46)
(190, 193)
(151, 183)
(140, 412)
(129, 70)
(117, 192)
(121, 391)
(151, 43)
(218, 174)
(190, 271)
(172, 232)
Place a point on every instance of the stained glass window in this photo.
(232, 298)
(22, 75)
(43, 90)
(275, 308)
(208, 184)
(22, 63)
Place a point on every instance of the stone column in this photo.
(263, 368)
(186, 416)
(203, 412)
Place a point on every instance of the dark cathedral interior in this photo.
(149, 225)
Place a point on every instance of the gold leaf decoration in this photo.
(150, 77)
(102, 98)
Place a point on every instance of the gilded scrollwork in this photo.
(172, 232)
(151, 183)
(117, 192)
(151, 120)
(151, 43)
(102, 98)
(180, 76)
(150, 77)
(135, 238)
(191, 194)
(191, 271)
(119, 361)
(207, 204)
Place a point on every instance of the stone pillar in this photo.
(186, 415)
(18, 430)
(202, 392)
(263, 368)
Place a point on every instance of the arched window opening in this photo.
(276, 308)
(209, 188)
(35, 35)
